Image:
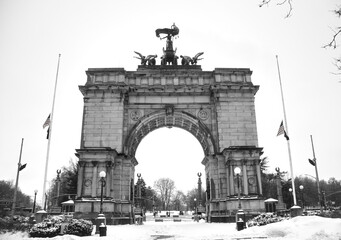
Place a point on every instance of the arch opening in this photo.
(170, 153)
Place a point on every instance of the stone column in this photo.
(112, 181)
(94, 179)
(227, 180)
(220, 177)
(130, 180)
(231, 180)
(245, 183)
(108, 179)
(80, 179)
(259, 179)
(121, 179)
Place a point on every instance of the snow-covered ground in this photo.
(298, 228)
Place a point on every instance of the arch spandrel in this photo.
(169, 118)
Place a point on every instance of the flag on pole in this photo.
(281, 131)
(21, 167)
(312, 162)
(48, 133)
(47, 122)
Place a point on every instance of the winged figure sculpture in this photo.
(150, 59)
(186, 60)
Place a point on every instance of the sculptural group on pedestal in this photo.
(169, 56)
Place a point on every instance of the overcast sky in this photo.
(104, 34)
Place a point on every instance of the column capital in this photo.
(109, 164)
(94, 163)
(244, 161)
(81, 163)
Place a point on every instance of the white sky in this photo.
(99, 34)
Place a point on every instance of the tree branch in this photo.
(337, 63)
(333, 42)
(289, 2)
(338, 12)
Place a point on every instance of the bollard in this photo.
(102, 230)
(240, 224)
(99, 220)
(139, 220)
(241, 216)
(32, 219)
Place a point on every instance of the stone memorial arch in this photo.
(121, 107)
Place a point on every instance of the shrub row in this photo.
(79, 227)
(52, 228)
(264, 219)
(45, 229)
(17, 223)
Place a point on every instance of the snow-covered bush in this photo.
(51, 227)
(264, 219)
(79, 227)
(45, 229)
(17, 223)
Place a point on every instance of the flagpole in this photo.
(317, 175)
(288, 141)
(17, 180)
(50, 134)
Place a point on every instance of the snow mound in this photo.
(302, 228)
(298, 228)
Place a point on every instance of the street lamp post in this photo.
(32, 218)
(302, 198)
(101, 221)
(290, 190)
(102, 176)
(196, 210)
(240, 216)
(34, 202)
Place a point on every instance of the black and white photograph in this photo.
(163, 119)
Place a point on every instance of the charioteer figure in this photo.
(169, 55)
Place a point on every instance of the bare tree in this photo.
(164, 187)
(179, 201)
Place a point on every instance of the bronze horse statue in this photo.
(149, 60)
(186, 60)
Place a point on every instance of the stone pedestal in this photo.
(40, 216)
(99, 220)
(296, 211)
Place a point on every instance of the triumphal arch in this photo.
(121, 107)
